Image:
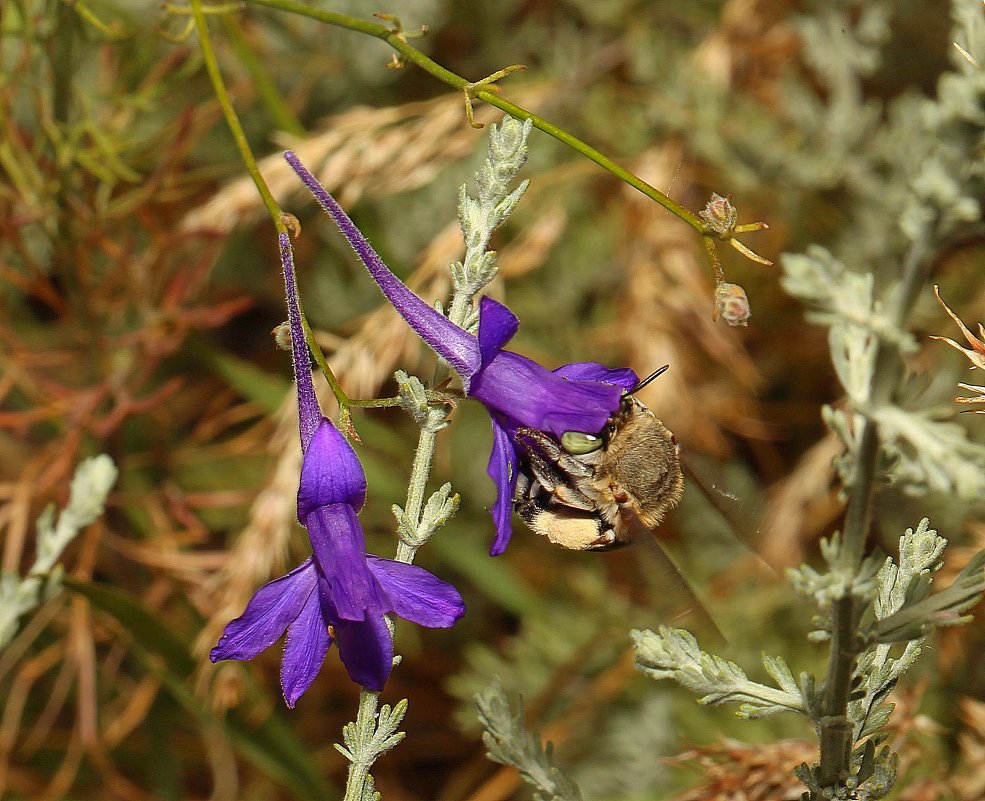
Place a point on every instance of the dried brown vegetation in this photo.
(139, 282)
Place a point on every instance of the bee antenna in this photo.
(655, 374)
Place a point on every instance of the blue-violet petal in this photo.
(337, 540)
(304, 652)
(309, 412)
(497, 325)
(456, 346)
(330, 473)
(593, 371)
(271, 610)
(366, 649)
(530, 395)
(502, 470)
(416, 595)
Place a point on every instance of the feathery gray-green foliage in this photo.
(911, 189)
(374, 732)
(508, 742)
(91, 484)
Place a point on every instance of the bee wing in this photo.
(744, 520)
(688, 605)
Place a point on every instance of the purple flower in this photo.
(340, 592)
(516, 390)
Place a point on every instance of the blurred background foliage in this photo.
(140, 283)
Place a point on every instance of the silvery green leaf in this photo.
(482, 270)
(505, 207)
(878, 718)
(508, 742)
(369, 792)
(438, 510)
(777, 667)
(470, 321)
(472, 217)
(372, 733)
(413, 396)
(674, 654)
(944, 608)
(458, 275)
(933, 455)
(884, 771)
(388, 720)
(406, 529)
(91, 483)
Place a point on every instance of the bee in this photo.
(597, 492)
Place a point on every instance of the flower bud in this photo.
(720, 214)
(732, 304)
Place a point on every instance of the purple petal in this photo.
(502, 470)
(337, 539)
(307, 644)
(416, 595)
(526, 394)
(456, 346)
(330, 473)
(366, 648)
(309, 412)
(271, 610)
(593, 371)
(497, 325)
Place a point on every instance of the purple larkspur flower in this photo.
(340, 592)
(517, 391)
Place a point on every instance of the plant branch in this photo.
(835, 731)
(397, 40)
(232, 119)
(282, 222)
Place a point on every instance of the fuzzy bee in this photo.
(596, 492)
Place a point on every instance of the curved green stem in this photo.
(282, 222)
(397, 40)
(232, 120)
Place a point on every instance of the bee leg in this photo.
(538, 441)
(548, 467)
(558, 484)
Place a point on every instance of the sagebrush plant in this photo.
(926, 193)
(97, 181)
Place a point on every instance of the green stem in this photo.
(276, 214)
(398, 42)
(835, 730)
(232, 119)
(359, 768)
(420, 472)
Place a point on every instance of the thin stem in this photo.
(359, 768)
(398, 42)
(835, 731)
(420, 472)
(232, 120)
(283, 223)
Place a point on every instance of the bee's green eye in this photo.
(576, 443)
